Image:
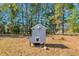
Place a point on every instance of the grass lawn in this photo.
(57, 44)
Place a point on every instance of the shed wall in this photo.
(38, 33)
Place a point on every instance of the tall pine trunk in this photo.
(63, 19)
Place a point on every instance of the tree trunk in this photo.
(63, 20)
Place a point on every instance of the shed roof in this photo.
(38, 26)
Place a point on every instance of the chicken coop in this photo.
(38, 35)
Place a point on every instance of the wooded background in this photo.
(59, 18)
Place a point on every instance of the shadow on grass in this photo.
(56, 46)
(12, 35)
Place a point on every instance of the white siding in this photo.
(41, 33)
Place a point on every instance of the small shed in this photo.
(38, 34)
